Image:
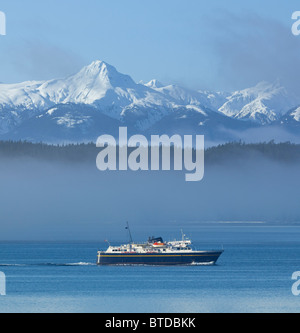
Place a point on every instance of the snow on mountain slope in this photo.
(99, 85)
(184, 96)
(65, 123)
(296, 114)
(22, 95)
(291, 120)
(263, 103)
(154, 84)
(87, 86)
(98, 97)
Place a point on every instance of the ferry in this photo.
(157, 252)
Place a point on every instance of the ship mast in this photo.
(130, 236)
(183, 235)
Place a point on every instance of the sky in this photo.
(215, 45)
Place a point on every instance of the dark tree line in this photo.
(285, 152)
(86, 152)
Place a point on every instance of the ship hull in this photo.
(177, 258)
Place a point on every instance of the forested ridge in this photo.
(85, 152)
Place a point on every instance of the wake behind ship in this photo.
(157, 252)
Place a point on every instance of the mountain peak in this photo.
(104, 73)
(98, 68)
(154, 84)
(99, 65)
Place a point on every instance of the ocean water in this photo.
(252, 275)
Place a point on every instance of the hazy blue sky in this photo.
(199, 44)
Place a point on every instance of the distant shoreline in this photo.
(285, 152)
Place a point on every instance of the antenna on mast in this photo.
(182, 234)
(130, 236)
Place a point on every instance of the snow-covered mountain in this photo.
(291, 119)
(183, 96)
(295, 114)
(263, 103)
(99, 85)
(99, 99)
(89, 85)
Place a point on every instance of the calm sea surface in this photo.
(252, 275)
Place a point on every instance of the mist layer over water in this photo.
(69, 201)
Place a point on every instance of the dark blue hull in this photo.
(176, 258)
